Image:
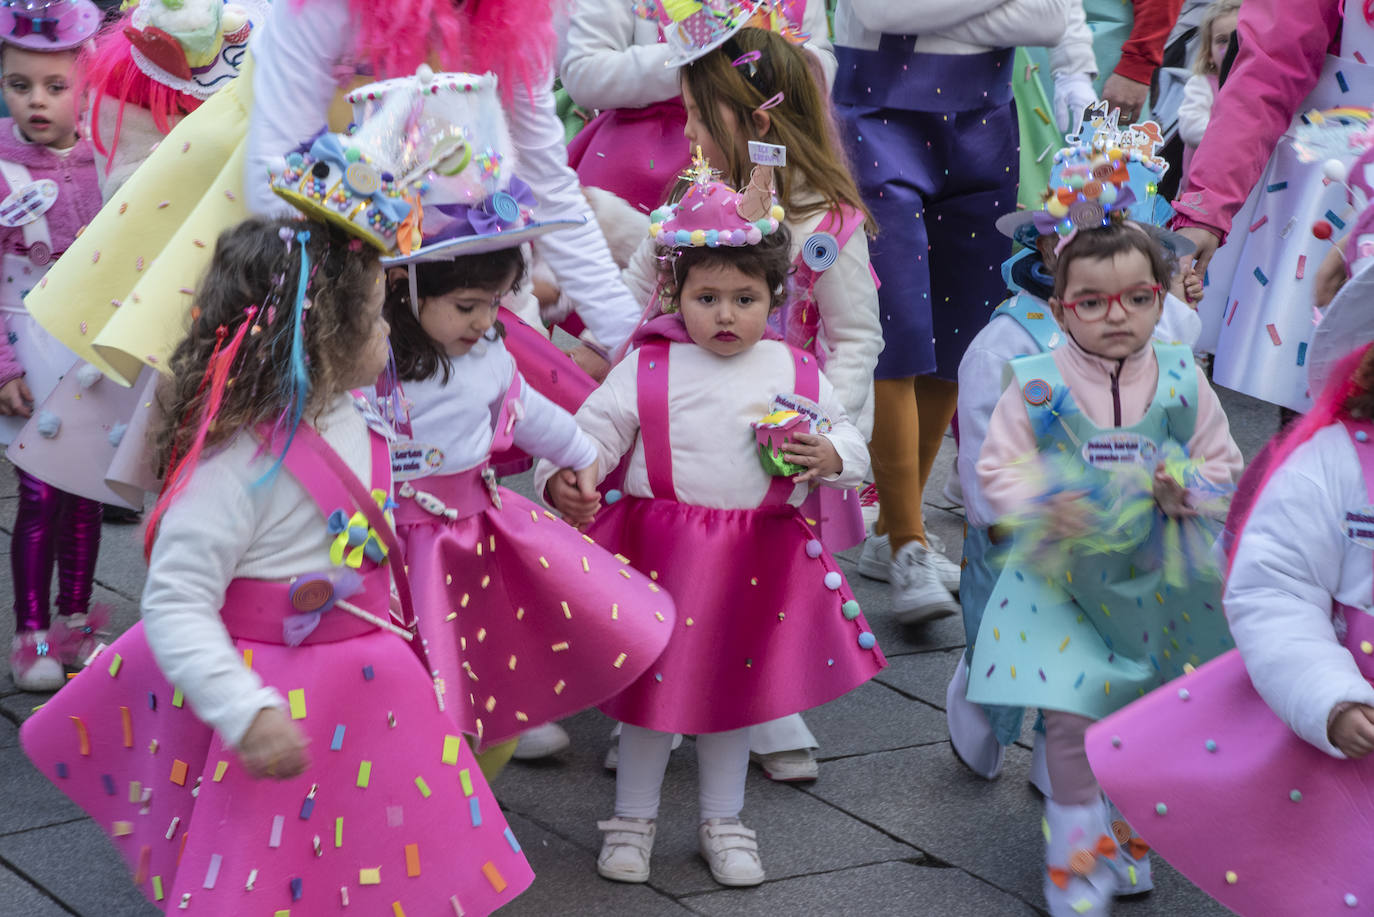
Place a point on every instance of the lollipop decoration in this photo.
(316, 593)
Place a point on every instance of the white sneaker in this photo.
(731, 851)
(33, 664)
(917, 593)
(541, 742)
(625, 849)
(1079, 881)
(954, 489)
(948, 570)
(797, 765)
(875, 560)
(970, 733)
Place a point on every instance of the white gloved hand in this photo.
(1073, 92)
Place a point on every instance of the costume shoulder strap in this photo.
(1177, 389)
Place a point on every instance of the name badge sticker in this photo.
(1359, 526)
(411, 460)
(1109, 451)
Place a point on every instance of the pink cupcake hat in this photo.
(48, 25)
(712, 213)
(692, 28)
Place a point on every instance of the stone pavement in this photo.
(895, 825)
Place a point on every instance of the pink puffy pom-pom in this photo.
(753, 236)
(737, 237)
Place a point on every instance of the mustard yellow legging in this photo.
(910, 417)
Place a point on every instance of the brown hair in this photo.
(1203, 64)
(1360, 403)
(802, 122)
(252, 266)
(418, 356)
(1118, 237)
(770, 259)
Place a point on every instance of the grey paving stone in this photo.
(897, 639)
(9, 734)
(883, 890)
(873, 718)
(571, 794)
(566, 883)
(78, 866)
(926, 676)
(29, 800)
(22, 899)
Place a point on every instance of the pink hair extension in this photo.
(512, 38)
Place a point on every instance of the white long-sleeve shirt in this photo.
(226, 526)
(981, 377)
(1293, 560)
(295, 60)
(612, 58)
(712, 401)
(851, 334)
(945, 27)
(457, 416)
(1195, 111)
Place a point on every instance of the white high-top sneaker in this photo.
(969, 730)
(918, 595)
(1132, 865)
(33, 664)
(875, 561)
(1079, 880)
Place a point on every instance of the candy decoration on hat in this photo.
(693, 28)
(192, 46)
(48, 25)
(711, 214)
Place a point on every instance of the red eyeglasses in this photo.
(1095, 308)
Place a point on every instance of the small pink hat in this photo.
(48, 25)
(712, 213)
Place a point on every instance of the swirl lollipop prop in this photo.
(316, 593)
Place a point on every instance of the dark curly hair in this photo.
(251, 266)
(770, 259)
(416, 354)
(1118, 237)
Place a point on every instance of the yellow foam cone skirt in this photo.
(120, 297)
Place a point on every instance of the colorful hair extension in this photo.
(297, 384)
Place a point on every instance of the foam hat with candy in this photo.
(193, 46)
(712, 214)
(48, 25)
(1105, 169)
(692, 28)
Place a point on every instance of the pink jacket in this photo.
(78, 201)
(1283, 45)
(1009, 482)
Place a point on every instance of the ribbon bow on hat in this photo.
(499, 211)
(34, 25)
(328, 148)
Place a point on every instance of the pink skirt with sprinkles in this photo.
(391, 817)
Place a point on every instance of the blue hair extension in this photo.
(297, 383)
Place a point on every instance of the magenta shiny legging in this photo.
(52, 523)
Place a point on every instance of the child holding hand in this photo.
(723, 432)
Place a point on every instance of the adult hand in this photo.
(273, 746)
(1206, 243)
(1330, 278)
(1073, 92)
(1352, 731)
(15, 398)
(590, 362)
(813, 452)
(1127, 95)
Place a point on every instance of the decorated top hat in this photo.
(1105, 169)
(48, 25)
(693, 28)
(193, 46)
(712, 214)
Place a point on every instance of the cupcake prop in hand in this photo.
(787, 416)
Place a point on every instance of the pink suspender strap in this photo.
(652, 399)
(508, 414)
(806, 381)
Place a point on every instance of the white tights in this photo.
(722, 765)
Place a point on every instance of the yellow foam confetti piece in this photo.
(620, 660)
(522, 716)
(567, 612)
(178, 699)
(481, 635)
(465, 778)
(364, 773)
(281, 914)
(338, 832)
(659, 615)
(157, 888)
(451, 747)
(490, 704)
(248, 659)
(558, 688)
(1013, 671)
(396, 909)
(412, 861)
(624, 573)
(586, 568)
(560, 646)
(296, 698)
(122, 828)
(115, 664)
(423, 787)
(511, 663)
(1068, 575)
(1063, 646)
(653, 588)
(135, 791)
(1107, 688)
(220, 768)
(463, 602)
(370, 876)
(622, 558)
(996, 634)
(494, 876)
(543, 563)
(519, 614)
(486, 581)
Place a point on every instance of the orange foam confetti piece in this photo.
(397, 910)
(145, 857)
(494, 876)
(412, 860)
(82, 736)
(179, 769)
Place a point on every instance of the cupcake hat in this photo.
(192, 46)
(711, 213)
(48, 25)
(692, 28)
(1105, 169)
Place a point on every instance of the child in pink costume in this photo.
(291, 663)
(1272, 741)
(525, 620)
(48, 183)
(766, 626)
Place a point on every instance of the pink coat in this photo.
(78, 201)
(1283, 45)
